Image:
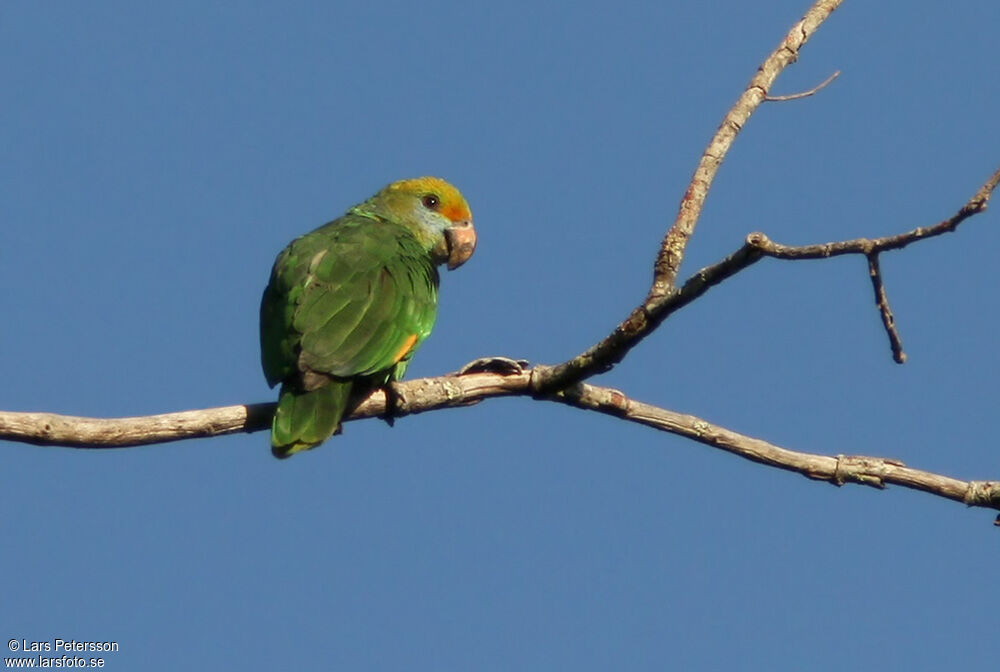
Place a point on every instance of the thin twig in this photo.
(804, 94)
(868, 246)
(882, 303)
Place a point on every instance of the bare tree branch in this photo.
(868, 246)
(668, 262)
(640, 323)
(412, 396)
(428, 394)
(840, 469)
(646, 318)
(562, 383)
(657, 305)
(872, 247)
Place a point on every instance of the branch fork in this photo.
(565, 382)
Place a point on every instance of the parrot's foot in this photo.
(391, 399)
(505, 366)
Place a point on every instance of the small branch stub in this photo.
(882, 303)
(804, 94)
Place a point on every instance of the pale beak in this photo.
(461, 240)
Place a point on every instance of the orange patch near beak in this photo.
(405, 350)
(456, 212)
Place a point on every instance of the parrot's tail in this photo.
(306, 419)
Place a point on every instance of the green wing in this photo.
(353, 298)
(350, 301)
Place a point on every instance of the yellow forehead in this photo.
(453, 204)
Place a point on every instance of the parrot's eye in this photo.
(431, 202)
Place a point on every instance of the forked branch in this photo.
(657, 305)
(644, 319)
(563, 383)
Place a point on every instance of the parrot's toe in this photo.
(505, 366)
(391, 400)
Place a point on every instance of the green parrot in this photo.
(348, 304)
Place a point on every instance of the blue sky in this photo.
(154, 158)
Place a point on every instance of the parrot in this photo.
(349, 303)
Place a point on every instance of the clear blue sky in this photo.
(155, 157)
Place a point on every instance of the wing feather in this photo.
(345, 300)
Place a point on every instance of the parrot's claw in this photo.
(391, 398)
(504, 366)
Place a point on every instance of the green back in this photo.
(353, 298)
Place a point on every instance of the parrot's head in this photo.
(436, 213)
